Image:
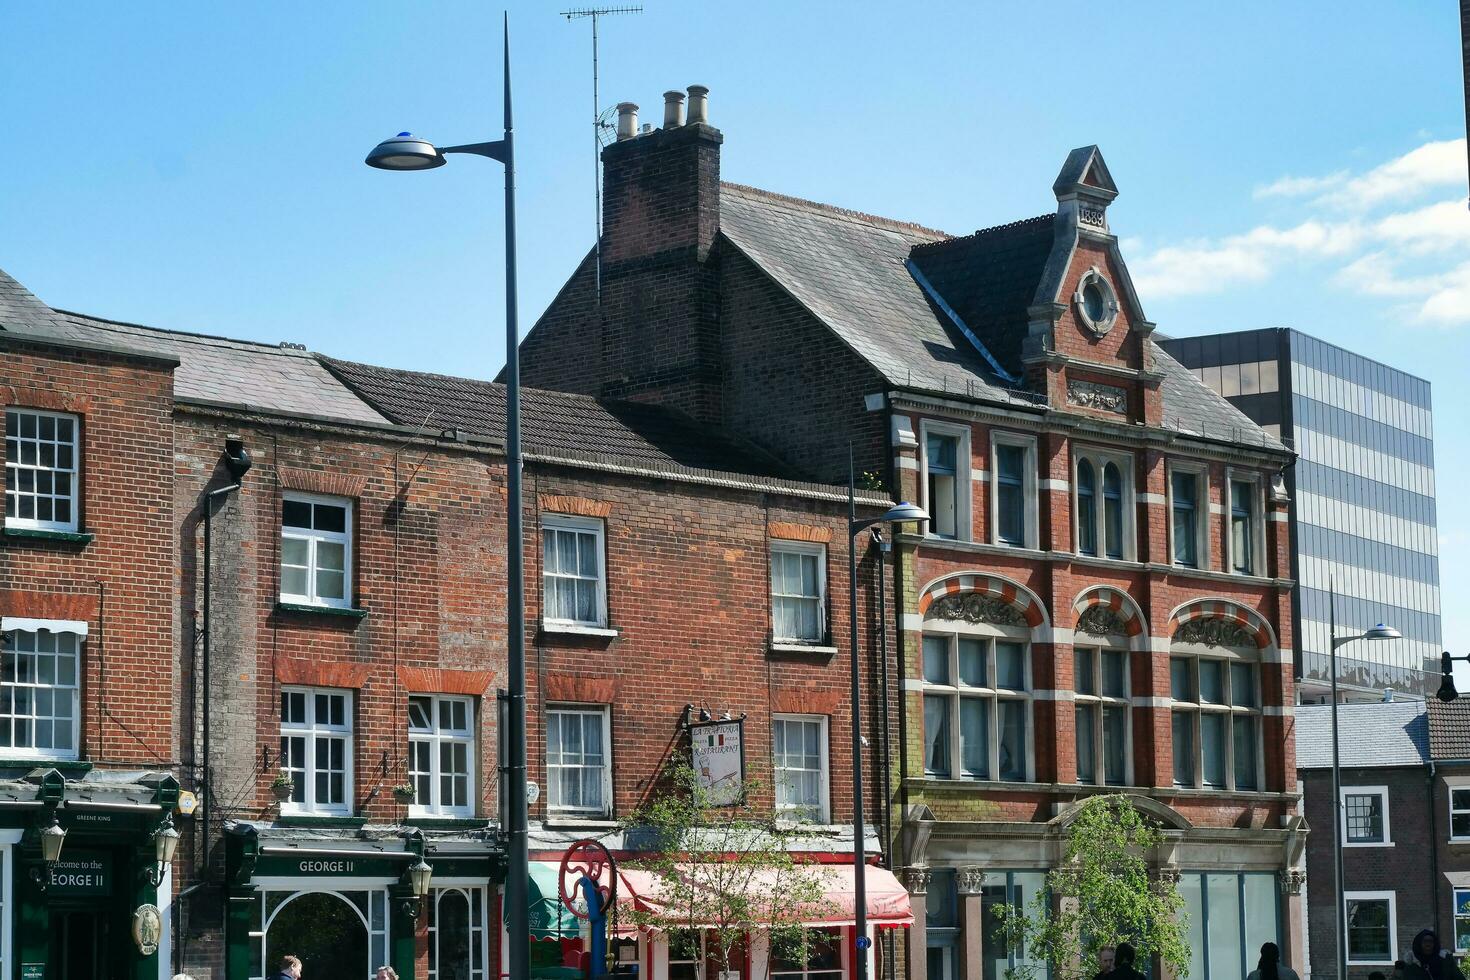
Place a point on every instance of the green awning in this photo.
(550, 919)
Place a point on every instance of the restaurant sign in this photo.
(82, 873)
(718, 756)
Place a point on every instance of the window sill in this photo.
(811, 649)
(60, 537)
(579, 823)
(432, 821)
(319, 820)
(1348, 843)
(576, 629)
(310, 610)
(42, 762)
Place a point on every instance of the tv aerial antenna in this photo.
(604, 126)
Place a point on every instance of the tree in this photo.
(726, 872)
(1106, 897)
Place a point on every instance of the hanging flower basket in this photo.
(403, 793)
(281, 787)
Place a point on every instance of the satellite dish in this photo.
(607, 126)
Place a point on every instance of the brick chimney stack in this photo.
(659, 290)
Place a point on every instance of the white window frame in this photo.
(1101, 701)
(604, 713)
(803, 549)
(436, 736)
(313, 537)
(1230, 710)
(59, 628)
(1464, 810)
(311, 730)
(1202, 512)
(1029, 488)
(955, 692)
(824, 776)
(1382, 793)
(1258, 521)
(75, 472)
(1100, 459)
(1456, 918)
(1393, 925)
(585, 525)
(964, 492)
(840, 940)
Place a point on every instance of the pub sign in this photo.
(718, 750)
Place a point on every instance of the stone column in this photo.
(971, 882)
(917, 882)
(1293, 947)
(1166, 877)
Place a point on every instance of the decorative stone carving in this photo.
(1214, 633)
(972, 607)
(916, 880)
(1090, 394)
(1101, 621)
(1096, 217)
(970, 880)
(1293, 880)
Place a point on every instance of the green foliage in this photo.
(871, 480)
(1105, 897)
(727, 871)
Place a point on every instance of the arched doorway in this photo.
(325, 931)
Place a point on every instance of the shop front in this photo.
(81, 873)
(348, 900)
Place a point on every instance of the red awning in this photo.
(887, 900)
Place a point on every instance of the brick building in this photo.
(1389, 828)
(1449, 822)
(1101, 599)
(354, 636)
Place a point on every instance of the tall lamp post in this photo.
(902, 513)
(407, 152)
(1379, 632)
(1447, 691)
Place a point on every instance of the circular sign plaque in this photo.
(147, 928)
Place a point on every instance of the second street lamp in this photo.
(407, 152)
(902, 513)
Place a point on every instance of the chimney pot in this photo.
(673, 109)
(627, 120)
(698, 104)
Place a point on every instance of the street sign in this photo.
(718, 756)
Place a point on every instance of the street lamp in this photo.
(51, 840)
(1379, 632)
(902, 513)
(407, 152)
(1447, 691)
(165, 841)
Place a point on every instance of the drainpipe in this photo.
(1434, 855)
(237, 463)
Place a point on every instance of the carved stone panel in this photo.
(1101, 621)
(916, 880)
(972, 607)
(1214, 633)
(970, 880)
(1293, 880)
(1090, 394)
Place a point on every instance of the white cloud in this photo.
(1414, 255)
(1428, 167)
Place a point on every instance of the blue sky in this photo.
(198, 167)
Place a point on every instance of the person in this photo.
(1377, 975)
(386, 972)
(1427, 960)
(1123, 959)
(1270, 966)
(290, 969)
(1104, 962)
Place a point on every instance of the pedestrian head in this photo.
(386, 972)
(1426, 946)
(1105, 958)
(291, 966)
(1126, 954)
(1270, 956)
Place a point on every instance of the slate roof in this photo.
(849, 270)
(1449, 730)
(1380, 734)
(558, 424)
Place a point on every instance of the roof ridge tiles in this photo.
(1026, 223)
(834, 211)
(105, 323)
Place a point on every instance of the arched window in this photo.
(1113, 510)
(1086, 508)
(1216, 722)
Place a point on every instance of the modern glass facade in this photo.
(1362, 490)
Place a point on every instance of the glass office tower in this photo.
(1362, 498)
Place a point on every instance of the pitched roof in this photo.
(1449, 730)
(851, 271)
(553, 423)
(1379, 734)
